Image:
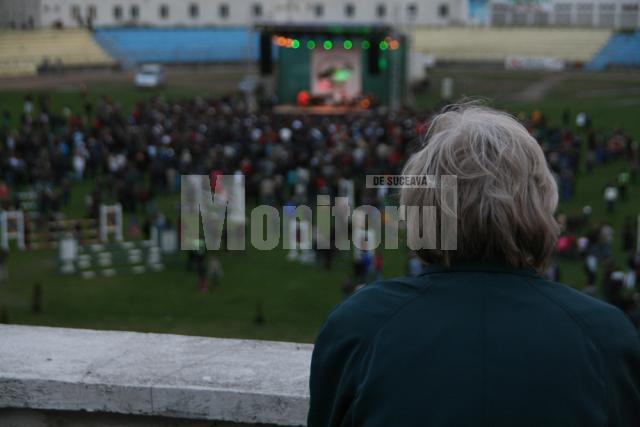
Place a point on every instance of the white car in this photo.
(149, 76)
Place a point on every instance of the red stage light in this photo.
(303, 98)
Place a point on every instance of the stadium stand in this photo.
(24, 52)
(497, 44)
(621, 50)
(179, 45)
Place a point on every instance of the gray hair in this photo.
(506, 195)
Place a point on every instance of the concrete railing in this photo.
(86, 377)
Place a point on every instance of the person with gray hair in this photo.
(480, 338)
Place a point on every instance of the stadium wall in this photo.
(22, 14)
(619, 14)
(71, 13)
(562, 13)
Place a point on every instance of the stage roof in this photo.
(311, 29)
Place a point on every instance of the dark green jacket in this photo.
(475, 345)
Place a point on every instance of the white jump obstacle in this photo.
(110, 259)
(13, 227)
(111, 222)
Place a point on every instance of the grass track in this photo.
(295, 298)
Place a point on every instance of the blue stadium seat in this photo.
(179, 45)
(621, 50)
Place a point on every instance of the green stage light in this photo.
(384, 45)
(327, 44)
(311, 44)
(366, 44)
(347, 44)
(295, 43)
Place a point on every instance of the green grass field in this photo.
(294, 298)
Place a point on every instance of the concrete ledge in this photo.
(240, 381)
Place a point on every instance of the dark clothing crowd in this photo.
(133, 156)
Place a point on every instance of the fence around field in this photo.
(78, 377)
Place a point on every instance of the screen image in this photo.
(336, 74)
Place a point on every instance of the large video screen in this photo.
(336, 74)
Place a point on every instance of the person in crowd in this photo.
(631, 277)
(481, 337)
(201, 270)
(5, 195)
(415, 266)
(610, 197)
(214, 271)
(552, 272)
(378, 265)
(325, 247)
(366, 260)
(36, 299)
(587, 210)
(629, 235)
(607, 235)
(591, 268)
(360, 266)
(4, 271)
(133, 229)
(623, 185)
(348, 287)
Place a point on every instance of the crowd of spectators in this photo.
(133, 156)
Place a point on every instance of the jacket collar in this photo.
(481, 266)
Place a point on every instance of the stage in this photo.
(319, 110)
(333, 70)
